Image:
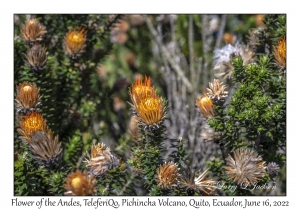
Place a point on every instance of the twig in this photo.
(192, 68)
(167, 54)
(125, 186)
(204, 23)
(221, 31)
(220, 36)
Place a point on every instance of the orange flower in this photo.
(32, 123)
(280, 52)
(80, 184)
(147, 105)
(74, 42)
(205, 106)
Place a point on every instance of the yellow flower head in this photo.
(280, 52)
(33, 31)
(168, 175)
(74, 42)
(27, 97)
(205, 106)
(147, 105)
(33, 122)
(80, 184)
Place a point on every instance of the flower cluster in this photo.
(147, 105)
(32, 33)
(45, 148)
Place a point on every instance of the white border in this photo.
(158, 7)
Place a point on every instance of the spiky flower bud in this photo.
(245, 167)
(74, 42)
(273, 169)
(27, 97)
(36, 58)
(80, 184)
(33, 31)
(205, 105)
(33, 122)
(168, 175)
(101, 159)
(147, 105)
(280, 52)
(46, 149)
(216, 92)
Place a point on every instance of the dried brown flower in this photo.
(118, 104)
(273, 169)
(36, 58)
(223, 58)
(33, 31)
(101, 160)
(216, 92)
(80, 184)
(167, 175)
(199, 184)
(245, 167)
(46, 149)
(133, 128)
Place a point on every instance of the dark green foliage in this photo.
(256, 115)
(56, 182)
(179, 155)
(28, 177)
